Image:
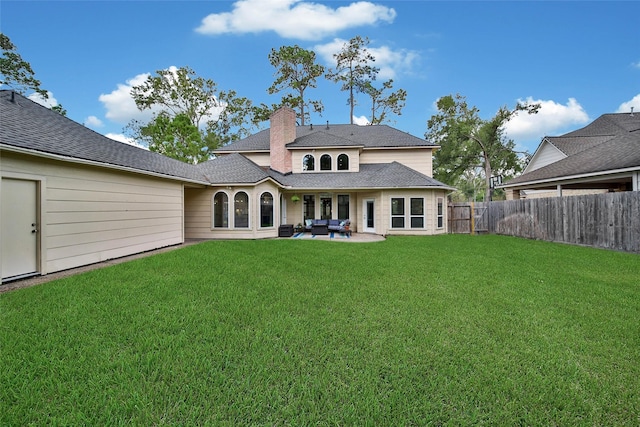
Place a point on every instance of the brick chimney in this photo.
(282, 132)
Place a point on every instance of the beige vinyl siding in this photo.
(430, 212)
(91, 214)
(353, 153)
(260, 159)
(199, 213)
(417, 159)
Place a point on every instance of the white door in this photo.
(19, 228)
(368, 220)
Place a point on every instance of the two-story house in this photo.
(377, 177)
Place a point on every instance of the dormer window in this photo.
(308, 163)
(325, 162)
(343, 162)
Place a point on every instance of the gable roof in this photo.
(29, 126)
(232, 169)
(610, 143)
(378, 136)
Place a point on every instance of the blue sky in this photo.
(578, 59)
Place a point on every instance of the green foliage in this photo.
(353, 69)
(290, 332)
(469, 142)
(194, 118)
(15, 72)
(381, 105)
(296, 70)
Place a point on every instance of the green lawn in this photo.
(444, 330)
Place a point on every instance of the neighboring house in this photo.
(603, 156)
(71, 197)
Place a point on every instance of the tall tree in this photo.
(382, 105)
(192, 118)
(469, 142)
(353, 69)
(15, 72)
(296, 70)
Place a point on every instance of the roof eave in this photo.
(59, 157)
(564, 179)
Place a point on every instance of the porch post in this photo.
(559, 187)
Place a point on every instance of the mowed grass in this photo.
(445, 330)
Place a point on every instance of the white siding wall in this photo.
(90, 214)
(545, 155)
(418, 159)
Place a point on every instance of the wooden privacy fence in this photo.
(610, 220)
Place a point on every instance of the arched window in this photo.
(343, 162)
(308, 163)
(266, 210)
(325, 162)
(241, 210)
(221, 210)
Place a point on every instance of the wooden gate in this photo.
(468, 218)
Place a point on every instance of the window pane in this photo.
(417, 222)
(266, 210)
(220, 210)
(397, 222)
(241, 209)
(309, 206)
(308, 163)
(343, 162)
(417, 206)
(343, 206)
(397, 206)
(325, 162)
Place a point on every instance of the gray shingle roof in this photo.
(26, 124)
(379, 136)
(232, 169)
(611, 142)
(383, 175)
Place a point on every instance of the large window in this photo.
(309, 206)
(241, 210)
(343, 162)
(397, 212)
(221, 210)
(325, 162)
(440, 212)
(343, 206)
(266, 210)
(417, 212)
(308, 163)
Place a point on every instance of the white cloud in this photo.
(294, 18)
(636, 65)
(93, 122)
(551, 118)
(361, 121)
(625, 107)
(49, 102)
(121, 108)
(390, 62)
(120, 105)
(122, 138)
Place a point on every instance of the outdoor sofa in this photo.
(324, 226)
